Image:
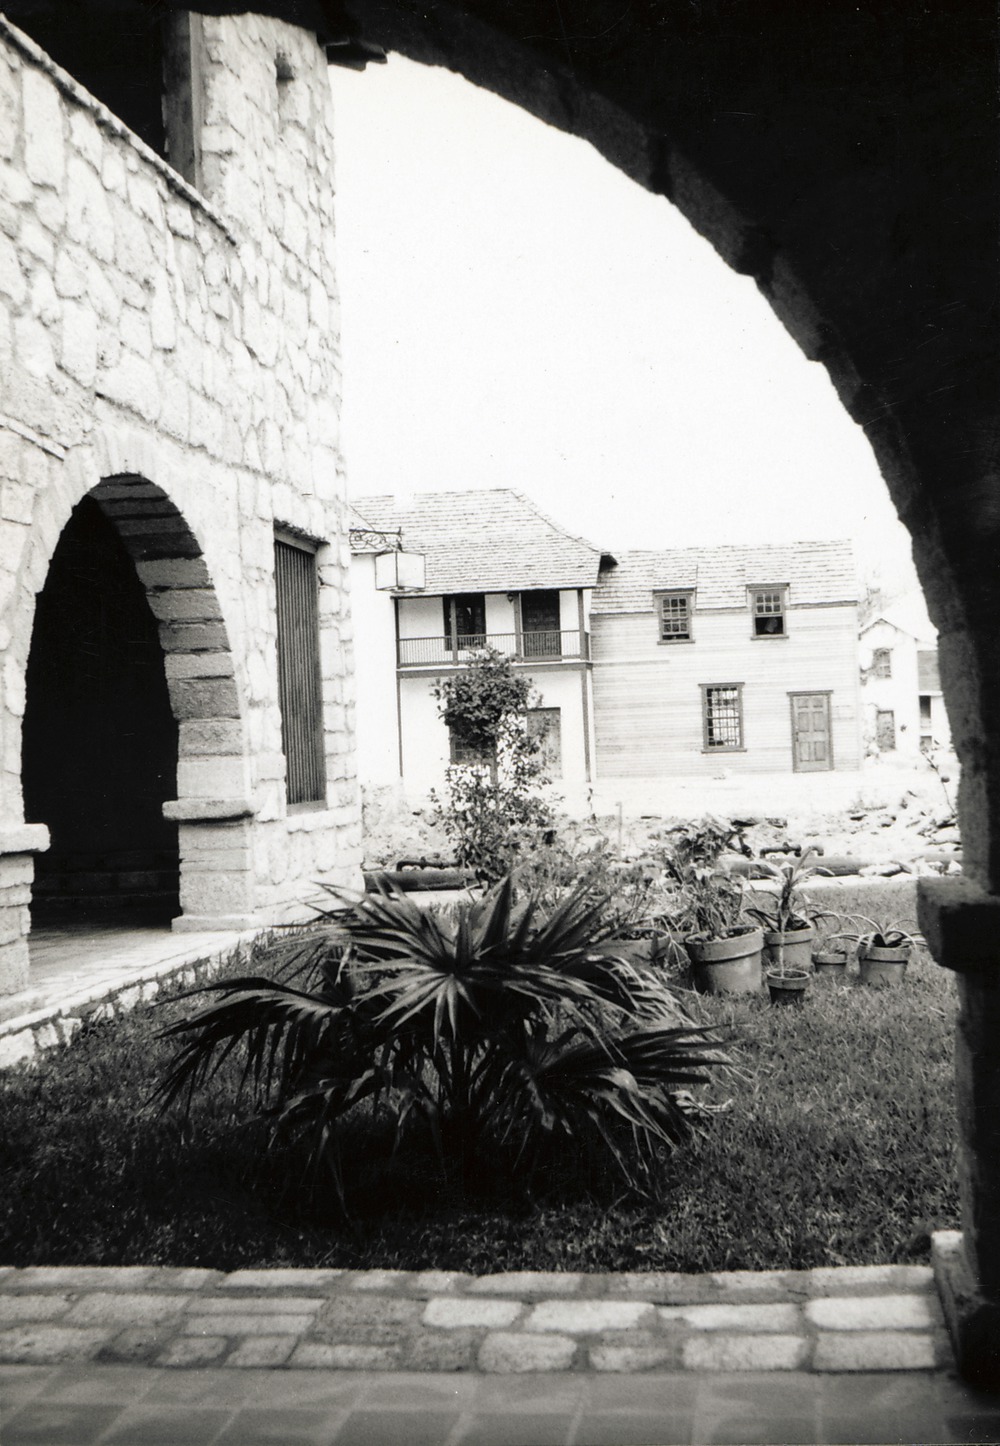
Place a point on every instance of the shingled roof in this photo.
(487, 541)
(814, 572)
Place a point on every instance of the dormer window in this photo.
(675, 610)
(768, 606)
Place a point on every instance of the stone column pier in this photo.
(18, 844)
(961, 923)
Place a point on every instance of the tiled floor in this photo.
(137, 1406)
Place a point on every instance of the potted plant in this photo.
(830, 958)
(723, 946)
(883, 954)
(789, 929)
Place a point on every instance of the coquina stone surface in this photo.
(172, 353)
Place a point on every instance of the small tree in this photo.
(493, 813)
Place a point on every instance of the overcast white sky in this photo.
(516, 312)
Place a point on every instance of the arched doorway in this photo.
(100, 738)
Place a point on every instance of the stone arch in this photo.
(210, 811)
(846, 157)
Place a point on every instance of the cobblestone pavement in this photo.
(147, 1355)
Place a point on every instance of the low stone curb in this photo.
(24, 1036)
(867, 1318)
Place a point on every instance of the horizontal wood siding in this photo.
(647, 695)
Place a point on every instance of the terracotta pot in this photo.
(883, 968)
(727, 966)
(789, 950)
(830, 966)
(790, 987)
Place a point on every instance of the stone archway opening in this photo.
(100, 738)
(131, 714)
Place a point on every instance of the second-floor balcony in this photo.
(525, 647)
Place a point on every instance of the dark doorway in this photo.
(100, 739)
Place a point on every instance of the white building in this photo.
(902, 702)
(495, 572)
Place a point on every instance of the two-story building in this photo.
(646, 665)
(437, 576)
(741, 658)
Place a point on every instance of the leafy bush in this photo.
(505, 1039)
(494, 815)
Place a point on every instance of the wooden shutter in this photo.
(300, 692)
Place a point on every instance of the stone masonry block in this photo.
(17, 1308)
(279, 1279)
(210, 777)
(854, 1279)
(271, 1304)
(174, 573)
(204, 698)
(44, 153)
(453, 1350)
(590, 1315)
(82, 1277)
(375, 1319)
(262, 1351)
(190, 604)
(664, 1357)
(505, 1353)
(193, 1351)
(199, 665)
(124, 1309)
(875, 1312)
(712, 1352)
(208, 737)
(46, 1345)
(14, 1048)
(14, 977)
(527, 1282)
(246, 1323)
(876, 1351)
(345, 1357)
(733, 1317)
(454, 1311)
(379, 1279)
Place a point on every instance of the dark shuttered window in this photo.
(300, 688)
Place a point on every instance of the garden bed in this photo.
(833, 1143)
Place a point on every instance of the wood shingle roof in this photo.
(484, 541)
(814, 572)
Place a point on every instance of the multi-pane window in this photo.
(722, 715)
(675, 617)
(882, 663)
(300, 689)
(767, 608)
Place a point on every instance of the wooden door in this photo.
(812, 745)
(540, 635)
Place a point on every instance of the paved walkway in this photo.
(77, 973)
(145, 1355)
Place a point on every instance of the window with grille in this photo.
(675, 617)
(767, 606)
(545, 724)
(300, 688)
(882, 663)
(467, 754)
(722, 716)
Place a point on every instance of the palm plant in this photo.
(503, 1035)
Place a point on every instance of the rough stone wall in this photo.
(184, 345)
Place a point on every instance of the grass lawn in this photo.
(836, 1145)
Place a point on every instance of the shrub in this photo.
(505, 1040)
(494, 814)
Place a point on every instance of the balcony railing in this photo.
(527, 647)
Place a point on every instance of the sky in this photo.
(517, 313)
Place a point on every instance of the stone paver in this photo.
(882, 1318)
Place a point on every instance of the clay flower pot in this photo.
(726, 966)
(789, 986)
(789, 950)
